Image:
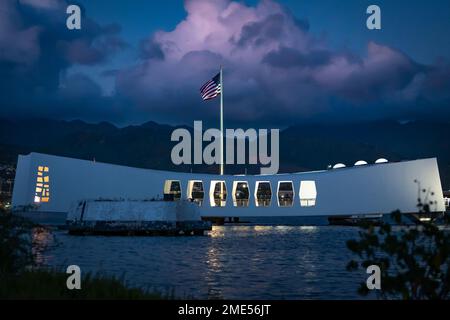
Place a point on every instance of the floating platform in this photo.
(139, 228)
(137, 217)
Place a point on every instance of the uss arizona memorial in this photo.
(52, 184)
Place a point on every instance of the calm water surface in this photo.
(232, 262)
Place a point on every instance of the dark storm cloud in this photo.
(149, 49)
(289, 58)
(260, 32)
(302, 23)
(91, 50)
(36, 50)
(276, 72)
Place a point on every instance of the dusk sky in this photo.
(285, 62)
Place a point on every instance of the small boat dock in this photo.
(135, 217)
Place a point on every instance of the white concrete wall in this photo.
(379, 188)
(134, 211)
(23, 185)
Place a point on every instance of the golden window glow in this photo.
(42, 193)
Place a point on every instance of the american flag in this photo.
(211, 89)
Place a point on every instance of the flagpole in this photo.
(221, 122)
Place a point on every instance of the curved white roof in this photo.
(360, 163)
(339, 165)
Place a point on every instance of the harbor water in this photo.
(258, 260)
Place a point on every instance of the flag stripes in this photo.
(211, 89)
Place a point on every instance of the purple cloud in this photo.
(275, 70)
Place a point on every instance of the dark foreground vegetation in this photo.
(414, 261)
(47, 284)
(20, 278)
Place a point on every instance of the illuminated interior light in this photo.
(195, 191)
(285, 193)
(263, 193)
(241, 194)
(218, 194)
(42, 191)
(172, 190)
(308, 193)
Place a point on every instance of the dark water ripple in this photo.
(233, 262)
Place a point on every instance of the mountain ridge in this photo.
(302, 147)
